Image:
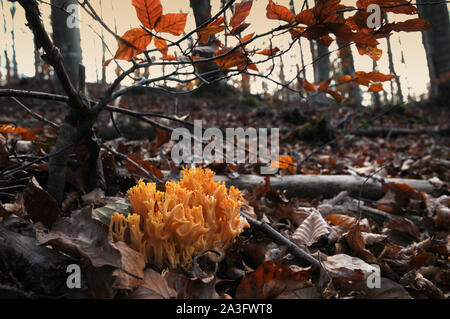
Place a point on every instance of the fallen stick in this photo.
(310, 186)
(277, 237)
(383, 132)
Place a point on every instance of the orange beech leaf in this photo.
(297, 32)
(239, 29)
(241, 12)
(410, 25)
(344, 78)
(359, 21)
(376, 87)
(379, 77)
(284, 162)
(360, 78)
(25, 133)
(324, 84)
(326, 10)
(169, 57)
(248, 37)
(325, 40)
(334, 94)
(317, 31)
(252, 66)
(211, 29)
(308, 86)
(138, 38)
(271, 280)
(230, 60)
(237, 58)
(173, 23)
(373, 52)
(306, 17)
(344, 220)
(161, 45)
(402, 6)
(363, 38)
(148, 12)
(269, 52)
(277, 12)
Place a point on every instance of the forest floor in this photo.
(410, 244)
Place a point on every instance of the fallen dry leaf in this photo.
(154, 286)
(271, 280)
(40, 205)
(131, 275)
(312, 228)
(82, 236)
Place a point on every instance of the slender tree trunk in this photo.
(13, 42)
(5, 51)
(302, 59)
(202, 13)
(375, 96)
(348, 68)
(436, 41)
(66, 37)
(103, 49)
(392, 71)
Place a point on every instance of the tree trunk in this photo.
(392, 71)
(436, 41)
(66, 37)
(322, 66)
(348, 68)
(202, 13)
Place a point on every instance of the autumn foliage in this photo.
(324, 23)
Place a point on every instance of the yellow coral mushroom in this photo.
(169, 228)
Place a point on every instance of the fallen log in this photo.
(39, 270)
(394, 132)
(310, 186)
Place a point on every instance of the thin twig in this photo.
(35, 115)
(277, 237)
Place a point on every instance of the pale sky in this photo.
(413, 73)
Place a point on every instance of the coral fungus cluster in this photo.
(169, 228)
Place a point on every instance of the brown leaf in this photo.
(148, 11)
(3, 212)
(403, 192)
(154, 286)
(241, 11)
(131, 274)
(278, 12)
(40, 205)
(271, 280)
(405, 226)
(442, 218)
(311, 229)
(355, 241)
(173, 23)
(82, 236)
(131, 44)
(344, 220)
(345, 267)
(388, 290)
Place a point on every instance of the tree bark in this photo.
(348, 68)
(310, 186)
(436, 41)
(65, 37)
(202, 13)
